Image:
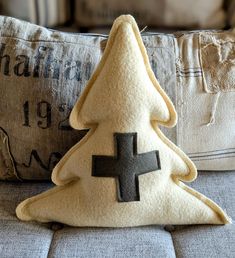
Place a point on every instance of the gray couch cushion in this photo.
(219, 186)
(152, 241)
(26, 240)
(42, 240)
(12, 194)
(209, 241)
(204, 241)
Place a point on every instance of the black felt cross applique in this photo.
(126, 166)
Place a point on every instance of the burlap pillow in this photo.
(43, 73)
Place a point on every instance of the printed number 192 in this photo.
(44, 113)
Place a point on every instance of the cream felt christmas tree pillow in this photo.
(124, 172)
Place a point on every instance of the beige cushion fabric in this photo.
(123, 96)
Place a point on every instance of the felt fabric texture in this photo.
(123, 96)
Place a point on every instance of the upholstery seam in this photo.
(172, 240)
(52, 240)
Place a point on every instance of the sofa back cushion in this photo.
(158, 13)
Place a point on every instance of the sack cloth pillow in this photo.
(124, 172)
(43, 72)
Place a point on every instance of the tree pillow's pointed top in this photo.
(123, 83)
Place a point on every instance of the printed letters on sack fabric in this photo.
(44, 64)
